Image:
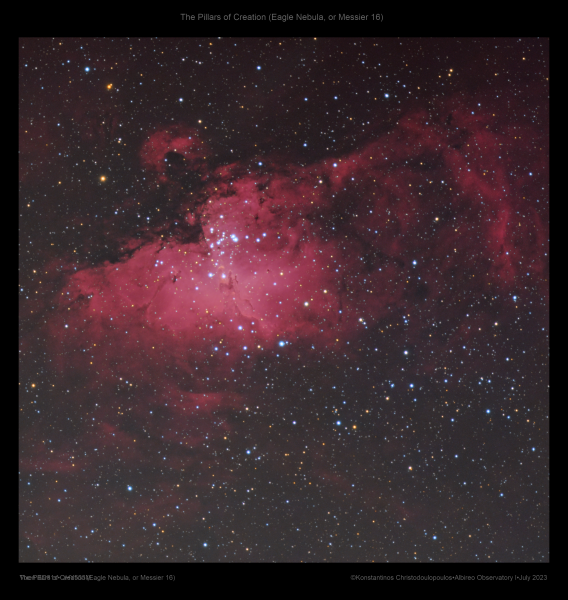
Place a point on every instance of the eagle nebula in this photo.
(278, 358)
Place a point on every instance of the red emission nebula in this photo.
(270, 260)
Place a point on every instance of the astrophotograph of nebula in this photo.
(283, 300)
